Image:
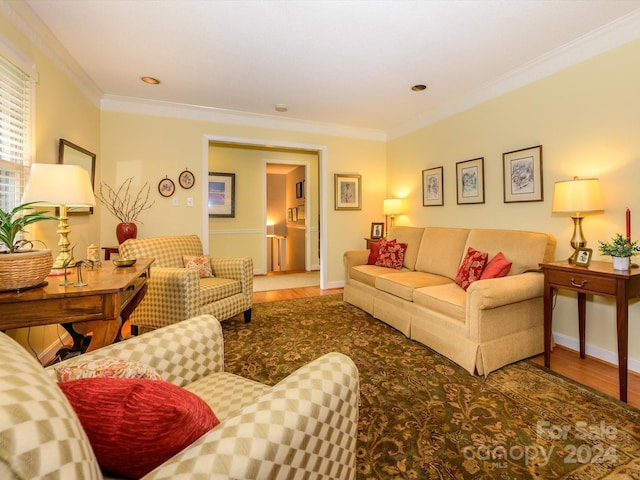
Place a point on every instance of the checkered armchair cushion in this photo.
(303, 427)
(176, 293)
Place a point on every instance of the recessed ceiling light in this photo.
(281, 107)
(150, 80)
(418, 88)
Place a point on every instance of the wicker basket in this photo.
(23, 270)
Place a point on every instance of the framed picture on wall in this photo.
(71, 154)
(522, 170)
(470, 181)
(432, 189)
(221, 195)
(348, 192)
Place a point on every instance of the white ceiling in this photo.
(342, 63)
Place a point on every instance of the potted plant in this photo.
(125, 207)
(20, 265)
(621, 250)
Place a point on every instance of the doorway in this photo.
(314, 214)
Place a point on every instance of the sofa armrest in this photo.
(235, 268)
(181, 353)
(304, 427)
(351, 258)
(497, 292)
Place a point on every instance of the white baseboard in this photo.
(594, 351)
(49, 353)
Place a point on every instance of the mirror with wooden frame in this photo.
(72, 154)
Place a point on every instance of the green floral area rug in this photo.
(423, 417)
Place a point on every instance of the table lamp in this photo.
(391, 207)
(580, 195)
(62, 186)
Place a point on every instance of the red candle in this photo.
(628, 223)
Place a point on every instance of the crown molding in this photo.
(31, 26)
(115, 103)
(615, 34)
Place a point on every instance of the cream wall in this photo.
(61, 111)
(151, 147)
(586, 118)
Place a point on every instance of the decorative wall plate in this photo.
(166, 187)
(186, 179)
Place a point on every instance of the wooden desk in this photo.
(100, 307)
(598, 279)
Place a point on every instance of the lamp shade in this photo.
(577, 195)
(392, 206)
(59, 184)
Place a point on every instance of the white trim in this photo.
(603, 39)
(595, 351)
(321, 150)
(115, 103)
(15, 56)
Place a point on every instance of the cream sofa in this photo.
(303, 427)
(176, 293)
(495, 322)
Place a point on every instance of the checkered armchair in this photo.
(303, 427)
(176, 293)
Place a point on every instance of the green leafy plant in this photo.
(619, 246)
(13, 222)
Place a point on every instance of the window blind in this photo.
(15, 132)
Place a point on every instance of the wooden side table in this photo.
(100, 307)
(369, 241)
(598, 279)
(108, 251)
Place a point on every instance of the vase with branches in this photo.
(126, 205)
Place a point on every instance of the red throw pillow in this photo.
(471, 267)
(374, 248)
(391, 254)
(135, 425)
(497, 267)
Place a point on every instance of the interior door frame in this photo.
(320, 150)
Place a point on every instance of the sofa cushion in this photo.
(402, 284)
(412, 237)
(471, 267)
(441, 250)
(213, 289)
(105, 367)
(497, 267)
(202, 263)
(40, 435)
(150, 420)
(374, 248)
(391, 254)
(449, 300)
(367, 274)
(526, 250)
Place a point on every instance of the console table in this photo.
(100, 307)
(598, 279)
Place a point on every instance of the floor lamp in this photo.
(577, 196)
(62, 186)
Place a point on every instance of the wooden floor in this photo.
(595, 373)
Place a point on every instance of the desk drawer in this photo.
(583, 282)
(131, 291)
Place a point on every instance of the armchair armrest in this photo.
(304, 427)
(235, 268)
(181, 353)
(173, 295)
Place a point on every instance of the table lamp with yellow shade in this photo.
(63, 186)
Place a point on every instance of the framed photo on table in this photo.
(377, 231)
(348, 192)
(470, 181)
(522, 170)
(221, 195)
(583, 257)
(432, 193)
